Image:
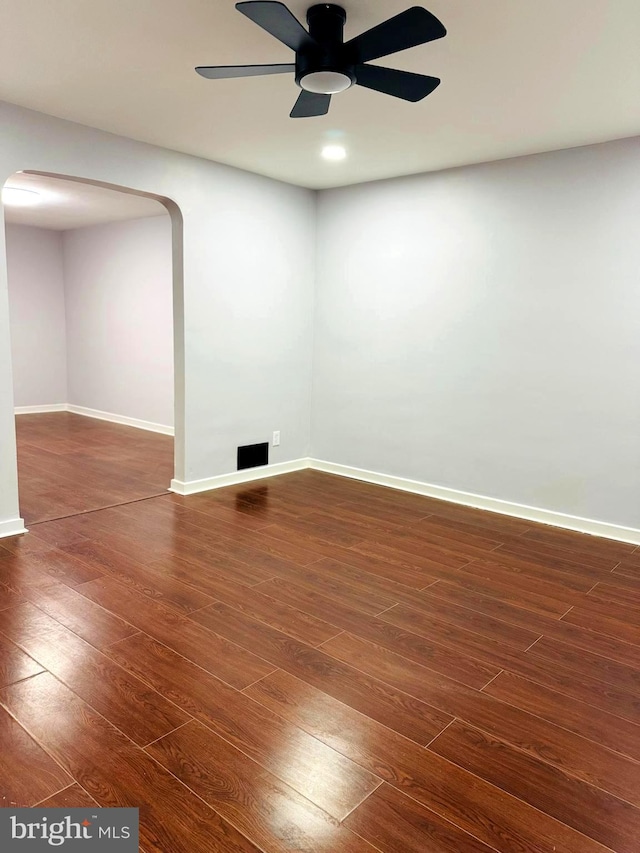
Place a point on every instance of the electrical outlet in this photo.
(276, 438)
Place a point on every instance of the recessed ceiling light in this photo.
(17, 197)
(334, 152)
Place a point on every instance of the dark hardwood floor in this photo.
(316, 664)
(69, 464)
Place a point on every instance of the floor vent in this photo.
(253, 455)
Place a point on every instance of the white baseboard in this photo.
(120, 419)
(194, 487)
(38, 410)
(97, 414)
(12, 527)
(529, 513)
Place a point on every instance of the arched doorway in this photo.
(142, 203)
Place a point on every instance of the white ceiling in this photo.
(518, 76)
(70, 204)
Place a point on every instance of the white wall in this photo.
(118, 296)
(36, 304)
(479, 329)
(244, 256)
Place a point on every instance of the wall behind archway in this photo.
(243, 325)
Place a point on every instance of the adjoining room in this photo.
(90, 298)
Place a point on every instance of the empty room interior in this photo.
(320, 426)
(90, 284)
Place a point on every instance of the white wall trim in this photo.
(37, 410)
(193, 487)
(120, 419)
(12, 527)
(542, 516)
(95, 413)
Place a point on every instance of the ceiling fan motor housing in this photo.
(323, 64)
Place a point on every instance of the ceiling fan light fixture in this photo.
(326, 82)
(326, 65)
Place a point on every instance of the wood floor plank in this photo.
(588, 630)
(316, 529)
(622, 590)
(58, 533)
(628, 568)
(581, 661)
(578, 542)
(436, 656)
(433, 525)
(359, 526)
(394, 822)
(118, 774)
(228, 660)
(479, 521)
(202, 511)
(9, 597)
(23, 544)
(441, 610)
(279, 820)
(18, 570)
(264, 608)
(218, 534)
(516, 568)
(388, 566)
(486, 585)
(258, 501)
(503, 822)
(316, 771)
(482, 601)
(342, 588)
(141, 713)
(600, 607)
(20, 753)
(386, 511)
(599, 726)
(208, 564)
(85, 618)
(432, 561)
(632, 559)
(73, 797)
(421, 538)
(597, 814)
(494, 650)
(14, 663)
(154, 583)
(587, 618)
(361, 579)
(578, 685)
(400, 712)
(551, 556)
(560, 590)
(584, 759)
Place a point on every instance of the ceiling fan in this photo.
(325, 65)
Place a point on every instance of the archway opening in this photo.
(96, 309)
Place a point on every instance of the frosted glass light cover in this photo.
(326, 82)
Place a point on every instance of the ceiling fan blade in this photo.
(277, 20)
(400, 84)
(223, 72)
(310, 104)
(408, 29)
